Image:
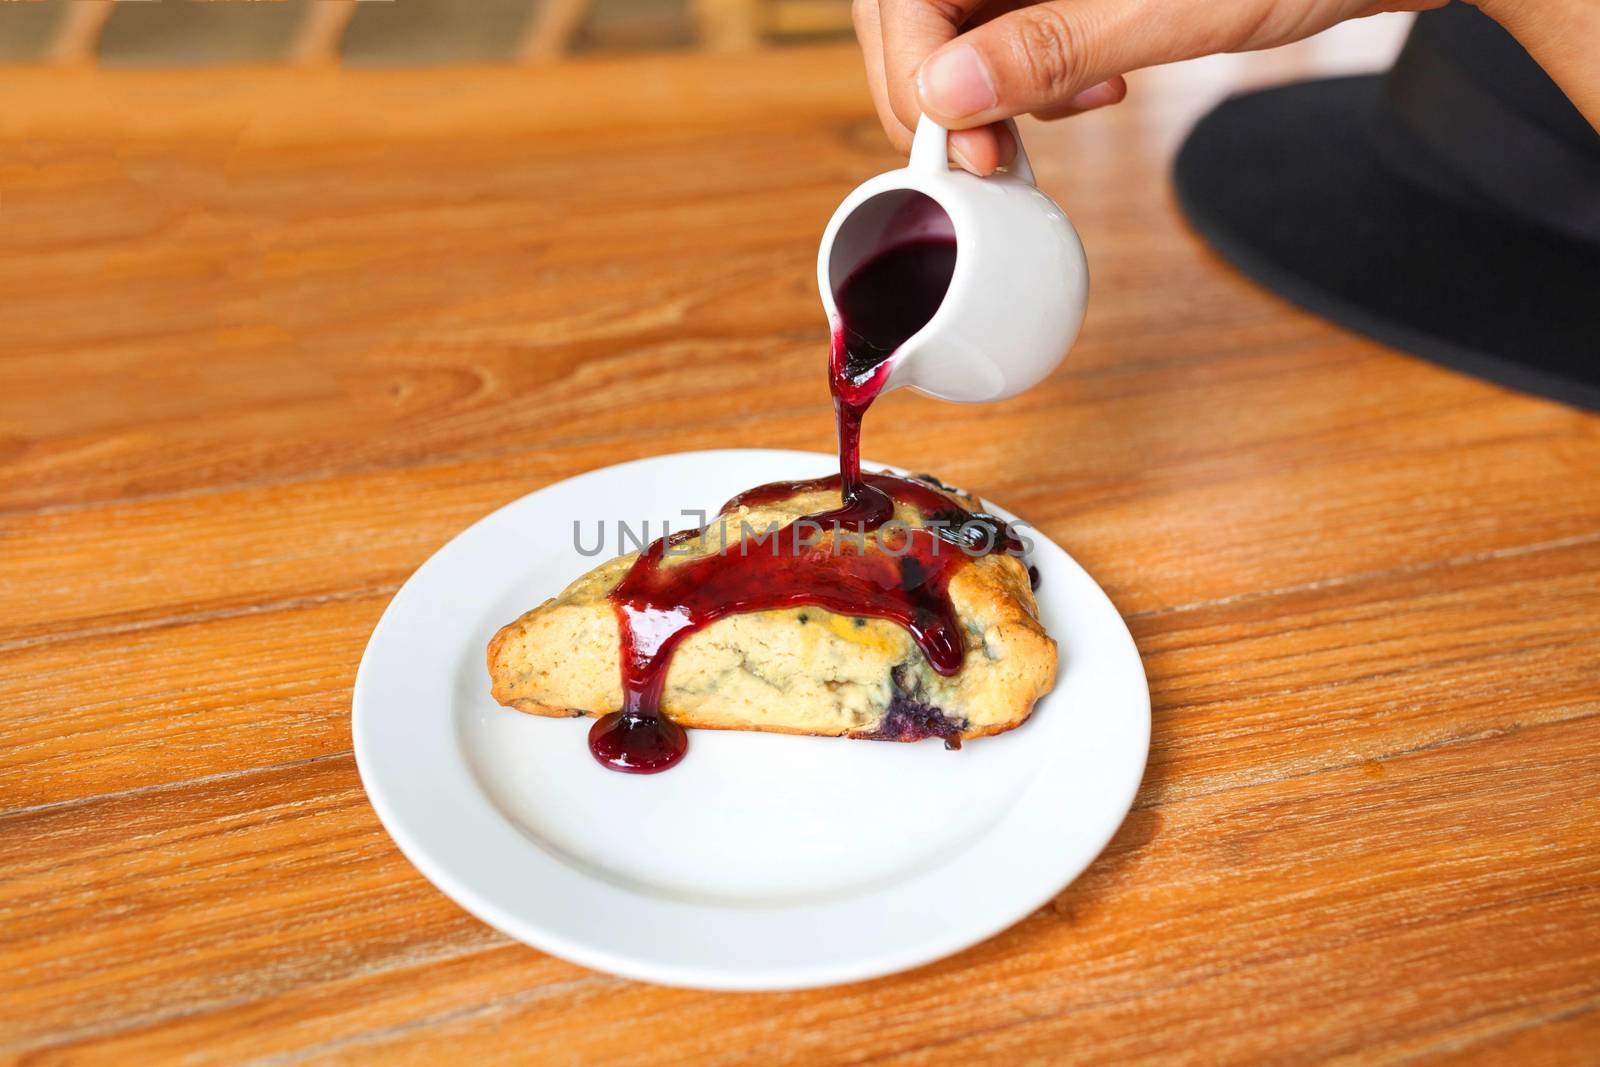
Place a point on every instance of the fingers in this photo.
(1110, 91)
(897, 37)
(912, 34)
(1051, 59)
(912, 30)
(983, 150)
(864, 13)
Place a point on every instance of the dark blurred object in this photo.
(1450, 207)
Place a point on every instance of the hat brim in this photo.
(1290, 186)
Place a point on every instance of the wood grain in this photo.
(269, 338)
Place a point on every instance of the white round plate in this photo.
(762, 861)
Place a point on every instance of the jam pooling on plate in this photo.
(843, 560)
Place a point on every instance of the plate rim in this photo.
(935, 945)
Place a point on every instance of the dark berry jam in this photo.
(637, 744)
(881, 304)
(847, 560)
(887, 299)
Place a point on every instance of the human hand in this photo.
(971, 63)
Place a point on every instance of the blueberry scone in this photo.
(800, 669)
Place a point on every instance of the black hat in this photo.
(1450, 207)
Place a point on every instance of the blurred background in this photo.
(401, 34)
(133, 34)
(398, 32)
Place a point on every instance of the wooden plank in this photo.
(259, 303)
(1163, 516)
(274, 878)
(333, 317)
(121, 711)
(404, 365)
(1553, 1040)
(1430, 903)
(1249, 690)
(268, 105)
(1263, 688)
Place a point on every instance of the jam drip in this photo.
(881, 304)
(846, 560)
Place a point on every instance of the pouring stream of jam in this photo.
(659, 603)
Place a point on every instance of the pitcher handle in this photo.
(930, 150)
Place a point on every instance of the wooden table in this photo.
(268, 339)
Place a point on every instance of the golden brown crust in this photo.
(794, 670)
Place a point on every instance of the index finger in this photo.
(864, 13)
(912, 30)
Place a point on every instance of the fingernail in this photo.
(1095, 96)
(961, 159)
(955, 83)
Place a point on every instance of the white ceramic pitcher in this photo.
(1017, 296)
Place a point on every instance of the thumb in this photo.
(1038, 59)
